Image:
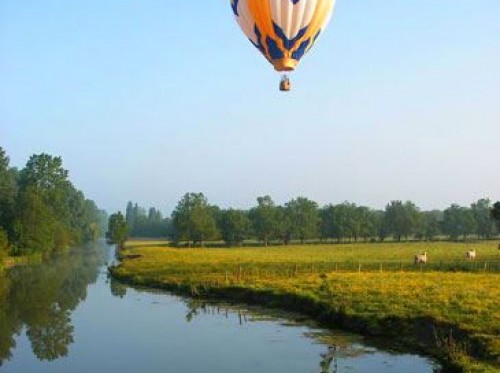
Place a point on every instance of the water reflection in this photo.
(117, 288)
(40, 299)
(338, 346)
(327, 359)
(134, 325)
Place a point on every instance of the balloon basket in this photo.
(285, 84)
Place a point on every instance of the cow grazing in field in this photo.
(471, 254)
(421, 258)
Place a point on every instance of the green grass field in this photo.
(370, 285)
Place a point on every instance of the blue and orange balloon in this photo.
(283, 30)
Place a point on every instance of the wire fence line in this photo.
(275, 270)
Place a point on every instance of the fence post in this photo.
(380, 267)
(359, 267)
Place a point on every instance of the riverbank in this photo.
(449, 315)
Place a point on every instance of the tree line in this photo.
(146, 224)
(41, 210)
(138, 223)
(195, 221)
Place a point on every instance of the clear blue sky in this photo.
(147, 99)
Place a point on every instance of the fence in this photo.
(291, 270)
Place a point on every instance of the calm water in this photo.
(68, 316)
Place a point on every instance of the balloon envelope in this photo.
(283, 30)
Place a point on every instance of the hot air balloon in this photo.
(283, 30)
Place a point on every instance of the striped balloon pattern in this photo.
(283, 30)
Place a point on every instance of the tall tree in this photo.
(154, 215)
(8, 190)
(193, 219)
(156, 226)
(283, 226)
(130, 216)
(458, 221)
(368, 222)
(234, 226)
(432, 224)
(356, 221)
(326, 219)
(77, 223)
(495, 214)
(343, 216)
(36, 225)
(44, 177)
(140, 222)
(381, 223)
(45, 173)
(47, 176)
(303, 215)
(484, 223)
(263, 219)
(91, 226)
(117, 229)
(401, 218)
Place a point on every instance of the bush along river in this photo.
(68, 315)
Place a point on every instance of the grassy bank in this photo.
(371, 289)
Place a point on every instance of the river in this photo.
(67, 315)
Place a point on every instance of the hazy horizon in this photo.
(145, 102)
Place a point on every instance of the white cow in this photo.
(421, 258)
(471, 254)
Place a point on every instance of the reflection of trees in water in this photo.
(42, 297)
(340, 345)
(7, 327)
(117, 288)
(196, 307)
(51, 340)
(328, 358)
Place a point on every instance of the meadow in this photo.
(448, 307)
